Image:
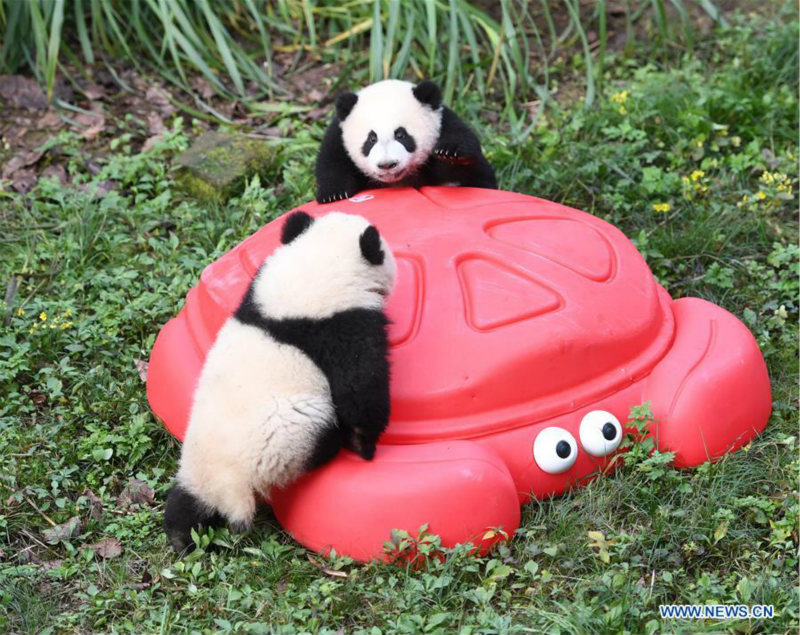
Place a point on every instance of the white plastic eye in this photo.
(555, 450)
(600, 433)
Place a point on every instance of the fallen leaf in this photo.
(94, 91)
(23, 181)
(151, 141)
(107, 548)
(21, 160)
(95, 504)
(146, 583)
(91, 133)
(63, 532)
(159, 98)
(136, 491)
(38, 398)
(22, 92)
(57, 170)
(326, 570)
(141, 368)
(155, 124)
(202, 87)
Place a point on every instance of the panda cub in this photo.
(299, 371)
(395, 133)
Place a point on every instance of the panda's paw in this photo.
(335, 196)
(452, 154)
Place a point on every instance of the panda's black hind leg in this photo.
(183, 513)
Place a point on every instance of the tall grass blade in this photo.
(376, 44)
(391, 27)
(573, 9)
(56, 23)
(220, 38)
(452, 55)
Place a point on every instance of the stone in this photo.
(219, 163)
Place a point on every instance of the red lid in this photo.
(507, 309)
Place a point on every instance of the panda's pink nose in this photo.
(387, 165)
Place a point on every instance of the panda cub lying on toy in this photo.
(395, 133)
(298, 371)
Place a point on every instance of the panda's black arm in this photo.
(337, 176)
(456, 139)
(351, 349)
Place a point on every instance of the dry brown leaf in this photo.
(136, 492)
(151, 141)
(159, 98)
(107, 548)
(95, 504)
(21, 160)
(141, 368)
(57, 170)
(334, 573)
(94, 91)
(22, 92)
(63, 532)
(155, 124)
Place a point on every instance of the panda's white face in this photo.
(389, 133)
(327, 265)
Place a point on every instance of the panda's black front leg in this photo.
(363, 417)
(457, 143)
(338, 177)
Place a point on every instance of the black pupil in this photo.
(372, 136)
(563, 449)
(399, 133)
(609, 431)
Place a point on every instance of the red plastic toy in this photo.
(514, 320)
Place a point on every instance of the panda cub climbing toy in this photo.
(395, 133)
(299, 371)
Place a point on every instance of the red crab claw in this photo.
(460, 489)
(711, 393)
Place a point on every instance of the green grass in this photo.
(504, 51)
(698, 135)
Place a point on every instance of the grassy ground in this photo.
(695, 160)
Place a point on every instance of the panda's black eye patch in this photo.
(405, 139)
(372, 139)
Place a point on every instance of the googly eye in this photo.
(555, 450)
(600, 433)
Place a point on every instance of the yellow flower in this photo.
(697, 175)
(761, 196)
(620, 97)
(43, 316)
(662, 207)
(68, 313)
(20, 312)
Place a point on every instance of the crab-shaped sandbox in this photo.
(522, 333)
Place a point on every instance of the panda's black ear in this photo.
(296, 223)
(429, 93)
(370, 242)
(344, 104)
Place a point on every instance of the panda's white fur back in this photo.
(259, 407)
